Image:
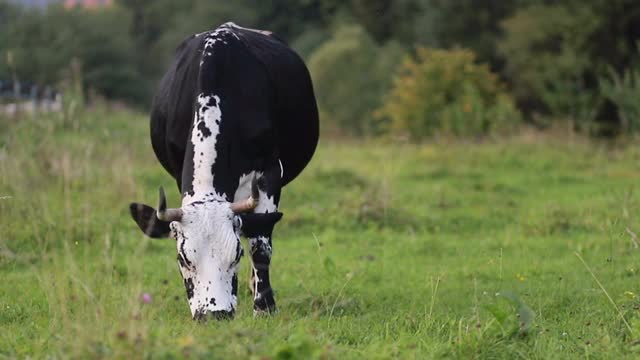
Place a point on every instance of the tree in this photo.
(387, 19)
(94, 39)
(557, 53)
(351, 74)
(614, 38)
(544, 46)
(471, 24)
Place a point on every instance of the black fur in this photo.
(254, 225)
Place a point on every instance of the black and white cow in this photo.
(234, 120)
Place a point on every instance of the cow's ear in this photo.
(257, 224)
(148, 222)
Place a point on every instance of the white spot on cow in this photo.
(220, 34)
(206, 127)
(265, 243)
(210, 245)
(266, 204)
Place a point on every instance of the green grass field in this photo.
(519, 248)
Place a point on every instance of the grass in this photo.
(447, 250)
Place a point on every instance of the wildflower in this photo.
(146, 298)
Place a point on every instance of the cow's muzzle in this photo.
(205, 315)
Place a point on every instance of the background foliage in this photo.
(555, 58)
(351, 77)
(446, 91)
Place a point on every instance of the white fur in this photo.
(206, 230)
(266, 204)
(204, 151)
(208, 239)
(218, 35)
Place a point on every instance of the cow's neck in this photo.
(202, 152)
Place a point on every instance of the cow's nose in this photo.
(205, 315)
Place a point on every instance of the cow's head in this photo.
(207, 235)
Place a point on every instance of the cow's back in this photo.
(291, 109)
(295, 109)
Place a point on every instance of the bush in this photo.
(624, 92)
(444, 91)
(351, 74)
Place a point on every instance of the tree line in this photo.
(406, 67)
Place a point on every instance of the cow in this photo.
(233, 121)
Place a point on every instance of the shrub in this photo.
(444, 91)
(351, 74)
(624, 92)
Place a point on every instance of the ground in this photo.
(516, 248)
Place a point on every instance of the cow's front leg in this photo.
(258, 228)
(261, 244)
(263, 299)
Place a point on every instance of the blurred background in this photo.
(405, 68)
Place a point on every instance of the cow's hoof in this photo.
(257, 313)
(264, 303)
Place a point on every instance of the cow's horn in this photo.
(165, 214)
(250, 203)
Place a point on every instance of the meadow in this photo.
(525, 247)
